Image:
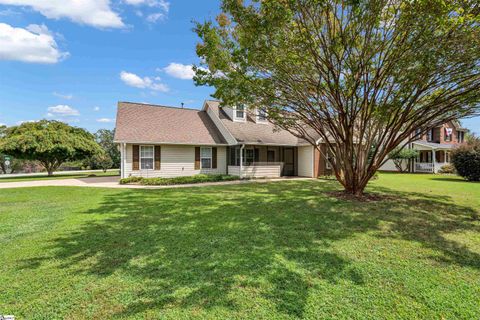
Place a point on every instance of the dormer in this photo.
(260, 115)
(239, 113)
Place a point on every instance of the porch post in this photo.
(434, 159)
(241, 160)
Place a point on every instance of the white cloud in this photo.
(62, 111)
(154, 17)
(162, 5)
(33, 44)
(180, 71)
(96, 13)
(63, 96)
(105, 120)
(136, 81)
(96, 108)
(25, 121)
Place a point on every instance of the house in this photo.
(159, 141)
(434, 148)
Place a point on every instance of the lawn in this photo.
(86, 174)
(280, 250)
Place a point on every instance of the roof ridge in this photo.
(159, 106)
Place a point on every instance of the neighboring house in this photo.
(158, 141)
(434, 148)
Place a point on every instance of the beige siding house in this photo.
(159, 141)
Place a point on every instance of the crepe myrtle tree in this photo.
(359, 75)
(49, 142)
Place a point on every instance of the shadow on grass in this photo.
(197, 247)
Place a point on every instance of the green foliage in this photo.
(400, 157)
(103, 161)
(447, 169)
(364, 74)
(199, 178)
(105, 137)
(49, 142)
(466, 159)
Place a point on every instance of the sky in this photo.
(74, 60)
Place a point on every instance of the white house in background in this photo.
(434, 148)
(159, 141)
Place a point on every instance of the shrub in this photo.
(130, 180)
(447, 169)
(466, 160)
(199, 178)
(400, 157)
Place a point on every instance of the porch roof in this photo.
(432, 145)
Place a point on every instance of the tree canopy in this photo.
(359, 76)
(49, 142)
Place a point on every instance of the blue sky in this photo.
(74, 60)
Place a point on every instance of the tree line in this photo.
(53, 143)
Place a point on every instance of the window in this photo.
(461, 136)
(249, 156)
(418, 133)
(206, 158)
(270, 155)
(430, 135)
(240, 112)
(261, 115)
(146, 157)
(328, 166)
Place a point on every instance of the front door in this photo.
(288, 162)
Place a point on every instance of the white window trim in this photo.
(140, 157)
(211, 157)
(430, 135)
(239, 119)
(258, 120)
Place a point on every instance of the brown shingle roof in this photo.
(144, 123)
(250, 132)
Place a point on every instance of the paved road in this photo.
(56, 173)
(112, 182)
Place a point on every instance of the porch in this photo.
(431, 158)
(260, 161)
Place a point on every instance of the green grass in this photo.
(86, 174)
(281, 250)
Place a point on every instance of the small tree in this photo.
(49, 142)
(102, 161)
(401, 157)
(466, 159)
(104, 137)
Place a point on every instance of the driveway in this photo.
(112, 182)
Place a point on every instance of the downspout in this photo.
(241, 161)
(124, 159)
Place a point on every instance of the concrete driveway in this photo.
(112, 182)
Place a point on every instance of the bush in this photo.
(199, 178)
(466, 160)
(447, 169)
(130, 180)
(400, 157)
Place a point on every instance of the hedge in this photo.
(199, 178)
(466, 160)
